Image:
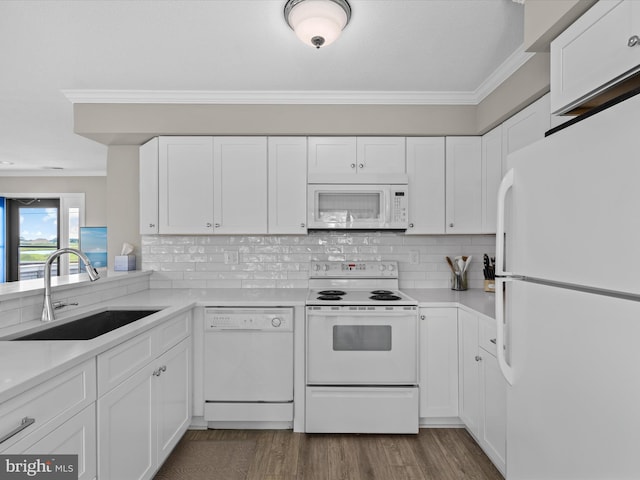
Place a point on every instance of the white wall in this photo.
(283, 261)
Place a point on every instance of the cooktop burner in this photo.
(382, 292)
(329, 297)
(333, 293)
(384, 297)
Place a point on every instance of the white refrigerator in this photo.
(568, 300)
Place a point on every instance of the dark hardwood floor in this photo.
(433, 454)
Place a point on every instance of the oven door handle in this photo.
(356, 313)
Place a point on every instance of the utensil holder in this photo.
(459, 281)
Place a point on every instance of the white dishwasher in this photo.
(248, 367)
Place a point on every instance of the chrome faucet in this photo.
(47, 309)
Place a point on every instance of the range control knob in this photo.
(325, 267)
(383, 268)
(391, 267)
(276, 322)
(316, 267)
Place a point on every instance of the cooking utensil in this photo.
(453, 269)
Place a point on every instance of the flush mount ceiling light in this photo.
(317, 22)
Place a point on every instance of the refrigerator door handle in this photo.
(505, 368)
(505, 186)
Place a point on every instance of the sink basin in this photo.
(89, 327)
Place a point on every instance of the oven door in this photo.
(347, 347)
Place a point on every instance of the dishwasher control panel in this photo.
(276, 319)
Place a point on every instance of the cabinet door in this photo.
(288, 185)
(76, 436)
(240, 185)
(381, 155)
(149, 187)
(426, 171)
(173, 397)
(438, 367)
(186, 185)
(329, 156)
(594, 53)
(494, 410)
(469, 371)
(127, 432)
(524, 128)
(491, 176)
(464, 185)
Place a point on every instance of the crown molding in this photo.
(303, 97)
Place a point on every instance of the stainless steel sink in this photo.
(89, 327)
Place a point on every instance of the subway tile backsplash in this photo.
(268, 261)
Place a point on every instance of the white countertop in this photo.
(25, 364)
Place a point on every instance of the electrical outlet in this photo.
(231, 257)
(414, 257)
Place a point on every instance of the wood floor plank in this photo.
(433, 454)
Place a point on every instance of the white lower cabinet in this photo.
(438, 367)
(482, 388)
(142, 418)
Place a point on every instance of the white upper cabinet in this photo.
(287, 185)
(149, 187)
(381, 155)
(185, 185)
(426, 171)
(598, 50)
(240, 185)
(356, 160)
(525, 127)
(332, 155)
(491, 176)
(464, 185)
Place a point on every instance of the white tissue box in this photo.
(124, 263)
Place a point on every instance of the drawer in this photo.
(172, 332)
(488, 333)
(50, 404)
(119, 363)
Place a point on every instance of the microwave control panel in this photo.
(399, 207)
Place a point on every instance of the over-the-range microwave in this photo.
(357, 206)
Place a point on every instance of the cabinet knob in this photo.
(361, 165)
(422, 317)
(217, 225)
(411, 225)
(353, 165)
(302, 225)
(208, 225)
(633, 41)
(478, 358)
(152, 225)
(451, 225)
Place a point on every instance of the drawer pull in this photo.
(493, 340)
(633, 41)
(24, 423)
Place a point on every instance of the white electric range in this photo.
(362, 350)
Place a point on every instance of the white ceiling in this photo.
(444, 49)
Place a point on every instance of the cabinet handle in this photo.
(24, 423)
(493, 340)
(152, 225)
(423, 317)
(353, 165)
(633, 41)
(478, 358)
